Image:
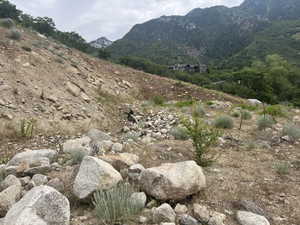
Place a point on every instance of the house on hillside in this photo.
(198, 68)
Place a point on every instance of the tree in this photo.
(8, 10)
(44, 25)
(103, 54)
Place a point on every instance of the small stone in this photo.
(117, 147)
(57, 184)
(201, 213)
(139, 198)
(25, 180)
(143, 219)
(9, 181)
(39, 179)
(163, 213)
(249, 218)
(188, 220)
(180, 209)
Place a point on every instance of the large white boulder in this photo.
(94, 174)
(173, 181)
(36, 157)
(249, 218)
(42, 205)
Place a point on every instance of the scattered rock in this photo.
(97, 135)
(173, 181)
(163, 213)
(42, 205)
(251, 207)
(121, 161)
(134, 172)
(139, 198)
(117, 147)
(188, 220)
(80, 145)
(57, 184)
(94, 174)
(8, 197)
(180, 209)
(39, 179)
(201, 213)
(249, 218)
(73, 89)
(254, 102)
(9, 181)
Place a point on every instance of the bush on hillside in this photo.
(292, 131)
(246, 115)
(198, 110)
(7, 23)
(15, 35)
(224, 122)
(264, 122)
(179, 133)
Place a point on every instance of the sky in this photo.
(110, 18)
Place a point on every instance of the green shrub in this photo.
(7, 23)
(158, 100)
(274, 111)
(264, 122)
(246, 115)
(292, 131)
(209, 103)
(235, 114)
(179, 133)
(198, 111)
(248, 107)
(224, 122)
(77, 156)
(203, 137)
(182, 104)
(15, 35)
(282, 168)
(115, 206)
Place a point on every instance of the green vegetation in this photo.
(14, 35)
(198, 110)
(274, 111)
(77, 156)
(246, 115)
(115, 206)
(7, 23)
(224, 122)
(282, 168)
(158, 100)
(183, 104)
(27, 128)
(179, 133)
(292, 131)
(265, 121)
(203, 137)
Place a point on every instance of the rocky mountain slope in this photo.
(96, 124)
(101, 42)
(206, 35)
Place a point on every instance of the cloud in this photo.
(113, 19)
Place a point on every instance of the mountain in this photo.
(209, 35)
(101, 42)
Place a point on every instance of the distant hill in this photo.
(214, 35)
(101, 42)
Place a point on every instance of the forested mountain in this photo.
(215, 34)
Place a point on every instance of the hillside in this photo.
(208, 35)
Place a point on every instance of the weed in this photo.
(115, 206)
(274, 111)
(203, 137)
(27, 128)
(246, 115)
(77, 156)
(182, 104)
(198, 110)
(158, 100)
(224, 122)
(248, 107)
(282, 168)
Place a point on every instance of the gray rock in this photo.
(117, 147)
(163, 213)
(216, 218)
(57, 184)
(94, 174)
(188, 220)
(39, 179)
(25, 180)
(254, 102)
(9, 181)
(167, 224)
(173, 181)
(78, 146)
(180, 209)
(8, 197)
(121, 161)
(201, 213)
(97, 135)
(250, 206)
(73, 89)
(36, 157)
(249, 218)
(139, 198)
(42, 205)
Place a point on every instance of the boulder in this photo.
(97, 135)
(139, 198)
(163, 213)
(79, 145)
(30, 157)
(173, 181)
(8, 197)
(42, 205)
(9, 181)
(94, 174)
(39, 179)
(188, 220)
(254, 102)
(249, 218)
(121, 161)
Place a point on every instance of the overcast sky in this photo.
(110, 18)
